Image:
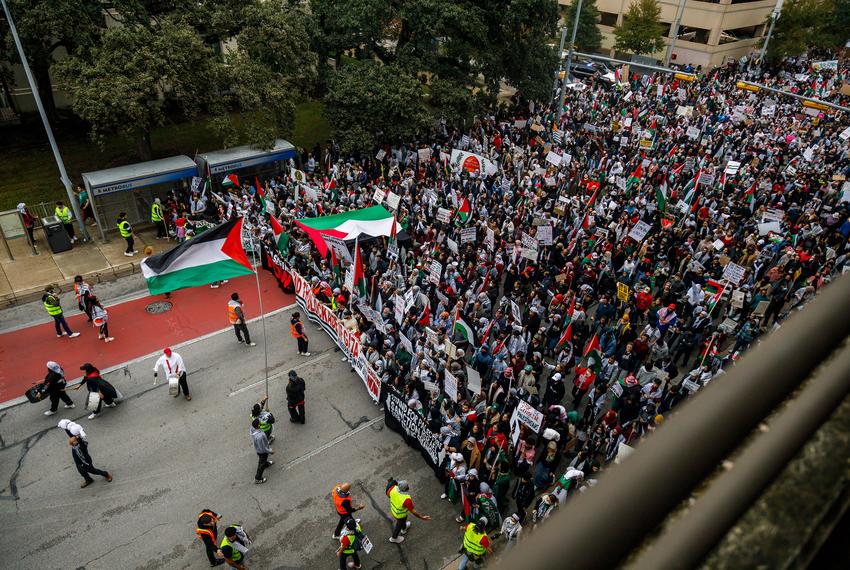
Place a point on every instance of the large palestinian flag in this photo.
(212, 256)
(371, 222)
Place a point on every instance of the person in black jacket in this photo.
(54, 385)
(84, 463)
(295, 397)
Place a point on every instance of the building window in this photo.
(738, 34)
(608, 19)
(695, 35)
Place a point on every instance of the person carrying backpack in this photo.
(350, 542)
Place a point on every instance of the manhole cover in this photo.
(158, 307)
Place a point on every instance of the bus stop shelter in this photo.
(246, 162)
(132, 188)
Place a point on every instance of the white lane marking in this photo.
(331, 443)
(22, 399)
(279, 374)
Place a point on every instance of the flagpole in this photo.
(262, 314)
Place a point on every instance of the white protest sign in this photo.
(468, 235)
(451, 385)
(405, 342)
(473, 380)
(196, 183)
(554, 158)
(444, 215)
(398, 314)
(424, 154)
(409, 299)
(490, 239)
(773, 215)
(809, 154)
(527, 414)
(693, 133)
(516, 313)
(530, 247)
(734, 273)
(339, 247)
(845, 134)
(768, 111)
(436, 272)
(393, 200)
(379, 195)
(452, 245)
(544, 235)
(433, 339)
(718, 244)
(737, 299)
(768, 227)
(380, 155)
(639, 231)
(732, 167)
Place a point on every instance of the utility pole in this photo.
(674, 33)
(569, 58)
(560, 62)
(773, 17)
(63, 175)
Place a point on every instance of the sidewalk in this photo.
(194, 313)
(23, 280)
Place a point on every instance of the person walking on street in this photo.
(50, 300)
(64, 215)
(84, 293)
(344, 506)
(237, 319)
(54, 385)
(400, 505)
(84, 463)
(475, 544)
(207, 531)
(295, 397)
(158, 220)
(126, 231)
(261, 446)
(173, 366)
(95, 384)
(296, 328)
(234, 547)
(101, 320)
(349, 544)
(261, 412)
(73, 429)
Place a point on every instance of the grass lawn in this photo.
(29, 174)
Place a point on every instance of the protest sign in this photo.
(693, 133)
(544, 235)
(339, 247)
(424, 154)
(530, 416)
(468, 235)
(444, 215)
(734, 273)
(452, 244)
(623, 292)
(393, 200)
(490, 239)
(473, 380)
(639, 231)
(399, 311)
(436, 272)
(553, 158)
(379, 195)
(737, 299)
(398, 416)
(516, 313)
(530, 247)
(450, 384)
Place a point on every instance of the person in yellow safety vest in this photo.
(207, 531)
(400, 505)
(63, 213)
(50, 300)
(233, 548)
(157, 218)
(475, 543)
(349, 543)
(296, 329)
(126, 231)
(237, 319)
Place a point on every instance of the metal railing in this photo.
(601, 528)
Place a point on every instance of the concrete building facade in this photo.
(709, 34)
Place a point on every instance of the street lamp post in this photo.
(63, 175)
(674, 36)
(560, 62)
(569, 57)
(773, 17)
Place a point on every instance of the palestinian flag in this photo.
(261, 194)
(486, 334)
(214, 255)
(465, 330)
(463, 211)
(714, 289)
(373, 222)
(567, 337)
(690, 191)
(750, 196)
(230, 181)
(635, 177)
(281, 238)
(593, 350)
(359, 275)
(661, 196)
(667, 223)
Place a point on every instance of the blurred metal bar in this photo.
(600, 528)
(685, 543)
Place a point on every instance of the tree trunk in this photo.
(143, 144)
(41, 69)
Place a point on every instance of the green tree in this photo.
(125, 83)
(588, 36)
(370, 103)
(641, 31)
(44, 27)
(803, 24)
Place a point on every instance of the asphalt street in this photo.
(171, 458)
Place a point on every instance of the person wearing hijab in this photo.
(84, 463)
(73, 429)
(54, 384)
(94, 383)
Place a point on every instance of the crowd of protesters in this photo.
(602, 332)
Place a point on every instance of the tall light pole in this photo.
(569, 57)
(63, 175)
(675, 35)
(560, 61)
(773, 17)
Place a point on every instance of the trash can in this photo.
(57, 237)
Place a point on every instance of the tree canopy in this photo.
(806, 24)
(588, 36)
(641, 31)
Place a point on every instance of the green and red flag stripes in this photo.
(593, 352)
(230, 181)
(214, 255)
(373, 222)
(466, 331)
(567, 337)
(463, 211)
(635, 177)
(661, 196)
(359, 274)
(750, 196)
(281, 238)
